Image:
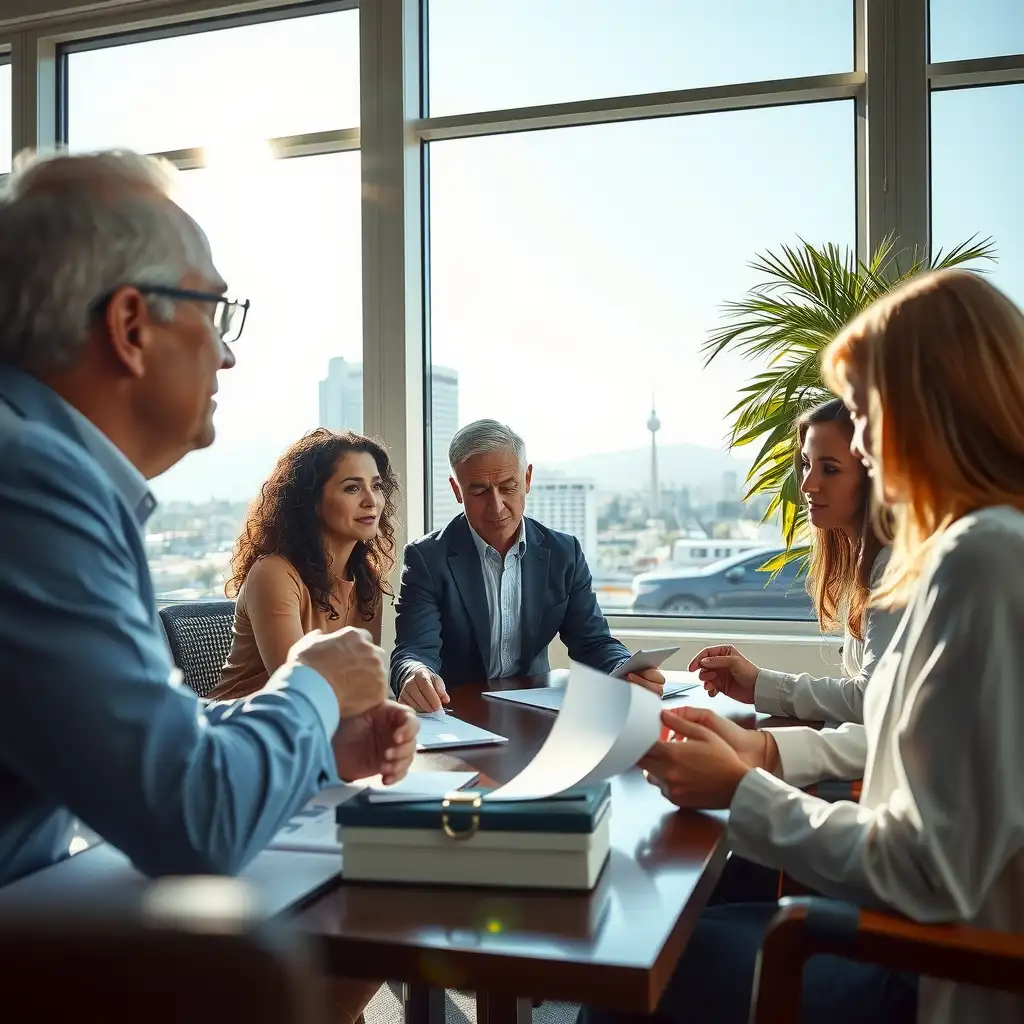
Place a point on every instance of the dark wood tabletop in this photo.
(615, 946)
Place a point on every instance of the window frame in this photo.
(892, 78)
(7, 60)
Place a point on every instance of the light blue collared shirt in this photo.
(90, 728)
(503, 584)
(124, 475)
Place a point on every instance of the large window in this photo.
(222, 86)
(977, 151)
(285, 233)
(597, 177)
(976, 146)
(574, 273)
(5, 117)
(970, 29)
(490, 54)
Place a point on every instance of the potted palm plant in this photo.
(807, 295)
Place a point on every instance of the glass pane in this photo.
(5, 118)
(492, 54)
(304, 328)
(976, 177)
(966, 29)
(574, 274)
(226, 86)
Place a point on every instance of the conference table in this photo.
(614, 947)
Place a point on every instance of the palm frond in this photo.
(803, 299)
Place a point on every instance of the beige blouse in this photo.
(273, 610)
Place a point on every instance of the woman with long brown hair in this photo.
(315, 552)
(933, 376)
(846, 559)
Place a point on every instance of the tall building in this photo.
(444, 421)
(654, 425)
(568, 504)
(341, 408)
(341, 396)
(730, 485)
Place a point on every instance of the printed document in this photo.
(313, 828)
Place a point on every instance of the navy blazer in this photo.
(442, 620)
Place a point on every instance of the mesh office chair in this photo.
(199, 636)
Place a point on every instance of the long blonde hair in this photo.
(941, 361)
(839, 566)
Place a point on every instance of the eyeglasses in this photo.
(228, 314)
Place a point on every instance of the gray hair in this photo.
(482, 437)
(73, 229)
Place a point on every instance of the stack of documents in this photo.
(441, 731)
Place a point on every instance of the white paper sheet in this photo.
(314, 827)
(547, 698)
(441, 731)
(421, 786)
(550, 698)
(676, 688)
(605, 726)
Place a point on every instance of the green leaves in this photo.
(784, 323)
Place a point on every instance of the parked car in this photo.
(730, 587)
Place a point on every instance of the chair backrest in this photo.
(199, 636)
(177, 950)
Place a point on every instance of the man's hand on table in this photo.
(375, 736)
(650, 679)
(704, 762)
(382, 741)
(423, 690)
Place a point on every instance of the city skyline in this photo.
(341, 408)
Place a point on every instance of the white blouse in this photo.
(832, 698)
(938, 834)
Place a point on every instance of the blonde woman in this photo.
(846, 559)
(933, 375)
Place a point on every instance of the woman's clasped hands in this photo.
(705, 758)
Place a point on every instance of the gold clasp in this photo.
(467, 800)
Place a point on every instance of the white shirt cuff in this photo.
(798, 755)
(773, 692)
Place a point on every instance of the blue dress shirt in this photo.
(93, 724)
(503, 585)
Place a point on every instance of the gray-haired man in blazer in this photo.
(482, 598)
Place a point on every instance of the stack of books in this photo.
(561, 842)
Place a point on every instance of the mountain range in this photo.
(679, 465)
(234, 472)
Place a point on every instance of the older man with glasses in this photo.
(114, 325)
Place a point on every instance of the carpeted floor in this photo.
(460, 1008)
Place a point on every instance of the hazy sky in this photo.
(572, 271)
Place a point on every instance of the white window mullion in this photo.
(394, 406)
(893, 127)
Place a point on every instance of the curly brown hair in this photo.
(285, 520)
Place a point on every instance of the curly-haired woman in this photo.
(315, 552)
